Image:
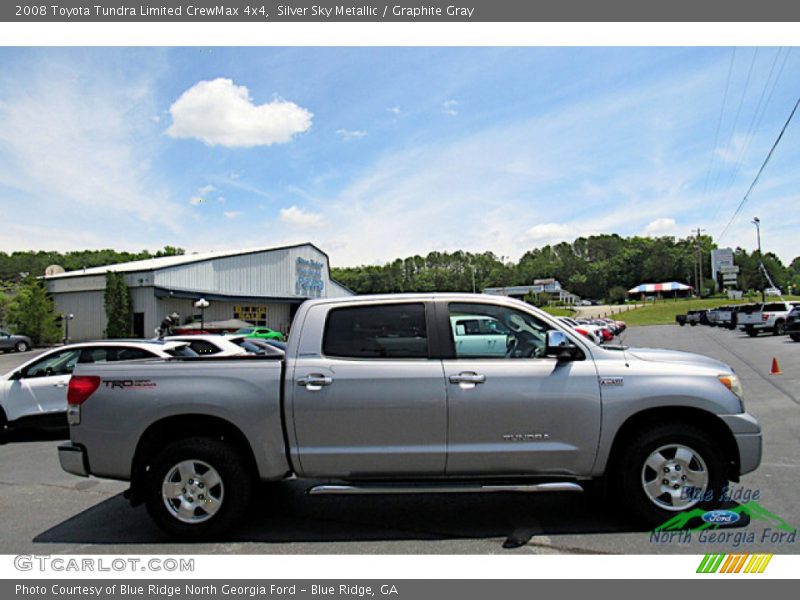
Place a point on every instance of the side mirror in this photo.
(559, 346)
(16, 376)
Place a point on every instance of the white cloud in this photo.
(299, 217)
(347, 134)
(196, 201)
(449, 108)
(549, 232)
(661, 226)
(206, 189)
(222, 113)
(395, 110)
(231, 214)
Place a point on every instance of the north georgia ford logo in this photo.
(721, 517)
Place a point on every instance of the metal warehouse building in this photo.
(263, 286)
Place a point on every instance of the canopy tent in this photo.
(658, 288)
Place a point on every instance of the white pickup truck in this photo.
(770, 317)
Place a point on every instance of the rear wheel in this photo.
(795, 337)
(751, 331)
(198, 488)
(669, 469)
(780, 328)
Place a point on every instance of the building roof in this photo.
(164, 262)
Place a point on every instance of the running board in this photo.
(443, 489)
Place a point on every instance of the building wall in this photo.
(272, 273)
(89, 309)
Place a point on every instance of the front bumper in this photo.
(747, 433)
(73, 459)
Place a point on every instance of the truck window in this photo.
(489, 331)
(382, 331)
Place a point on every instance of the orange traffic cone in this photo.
(776, 370)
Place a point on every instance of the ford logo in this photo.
(721, 517)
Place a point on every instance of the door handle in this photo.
(60, 385)
(468, 377)
(314, 382)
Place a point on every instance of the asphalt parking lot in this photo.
(46, 510)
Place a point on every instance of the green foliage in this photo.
(119, 309)
(617, 294)
(32, 312)
(589, 267)
(34, 263)
(5, 304)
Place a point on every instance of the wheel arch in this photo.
(708, 422)
(167, 430)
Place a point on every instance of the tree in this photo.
(617, 295)
(33, 313)
(119, 310)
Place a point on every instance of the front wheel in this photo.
(21, 346)
(669, 469)
(780, 328)
(198, 488)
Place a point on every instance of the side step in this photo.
(443, 489)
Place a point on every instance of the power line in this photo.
(758, 116)
(719, 121)
(761, 170)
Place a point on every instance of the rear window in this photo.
(113, 353)
(383, 331)
(774, 307)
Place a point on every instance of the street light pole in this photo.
(757, 222)
(202, 304)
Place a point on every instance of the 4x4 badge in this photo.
(612, 381)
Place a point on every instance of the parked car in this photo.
(793, 324)
(770, 317)
(374, 397)
(211, 344)
(35, 393)
(18, 343)
(772, 291)
(582, 329)
(261, 332)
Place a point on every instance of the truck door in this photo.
(518, 413)
(369, 401)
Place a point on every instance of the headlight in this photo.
(731, 381)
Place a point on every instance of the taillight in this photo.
(80, 388)
(764, 316)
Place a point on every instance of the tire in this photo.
(752, 332)
(688, 452)
(780, 328)
(693, 324)
(21, 346)
(214, 503)
(795, 337)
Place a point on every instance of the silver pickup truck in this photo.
(389, 394)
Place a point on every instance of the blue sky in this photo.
(377, 153)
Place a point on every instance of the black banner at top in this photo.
(400, 10)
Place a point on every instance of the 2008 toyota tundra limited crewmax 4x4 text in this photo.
(389, 394)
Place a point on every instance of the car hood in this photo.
(676, 356)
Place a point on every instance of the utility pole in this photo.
(700, 263)
(757, 222)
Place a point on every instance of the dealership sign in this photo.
(309, 280)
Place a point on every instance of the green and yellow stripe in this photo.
(734, 563)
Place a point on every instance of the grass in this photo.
(663, 312)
